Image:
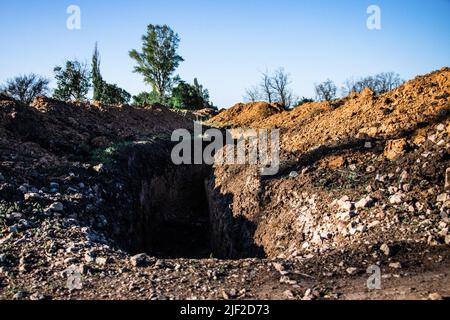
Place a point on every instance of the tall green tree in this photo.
(73, 81)
(96, 75)
(26, 87)
(158, 59)
(105, 92)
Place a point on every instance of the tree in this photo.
(326, 91)
(252, 94)
(202, 92)
(159, 58)
(146, 99)
(26, 87)
(112, 94)
(280, 84)
(103, 91)
(96, 75)
(303, 100)
(379, 84)
(388, 81)
(266, 86)
(190, 97)
(73, 81)
(273, 88)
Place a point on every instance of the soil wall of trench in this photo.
(174, 211)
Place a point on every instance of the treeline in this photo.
(156, 62)
(276, 87)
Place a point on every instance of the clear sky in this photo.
(227, 43)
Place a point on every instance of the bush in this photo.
(25, 88)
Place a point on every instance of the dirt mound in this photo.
(362, 171)
(244, 115)
(74, 130)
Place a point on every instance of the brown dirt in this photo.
(244, 115)
(362, 183)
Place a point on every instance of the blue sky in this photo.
(226, 44)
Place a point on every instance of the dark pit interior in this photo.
(171, 211)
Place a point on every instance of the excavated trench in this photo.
(172, 211)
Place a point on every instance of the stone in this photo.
(54, 185)
(19, 295)
(447, 239)
(447, 179)
(442, 197)
(102, 261)
(395, 265)
(368, 145)
(57, 207)
(139, 260)
(160, 264)
(395, 149)
(396, 198)
(293, 174)
(370, 169)
(37, 296)
(89, 257)
(366, 202)
(352, 271)
(440, 127)
(289, 294)
(31, 196)
(386, 249)
(435, 296)
(2, 178)
(99, 168)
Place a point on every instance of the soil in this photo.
(88, 193)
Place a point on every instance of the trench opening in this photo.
(175, 211)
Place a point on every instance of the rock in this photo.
(368, 145)
(160, 264)
(396, 198)
(2, 258)
(447, 239)
(139, 260)
(447, 179)
(99, 168)
(370, 169)
(31, 196)
(435, 296)
(19, 295)
(352, 271)
(289, 295)
(366, 202)
(395, 149)
(440, 127)
(386, 250)
(442, 197)
(2, 178)
(102, 261)
(37, 296)
(395, 265)
(89, 257)
(57, 207)
(293, 174)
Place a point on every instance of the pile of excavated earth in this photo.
(92, 207)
